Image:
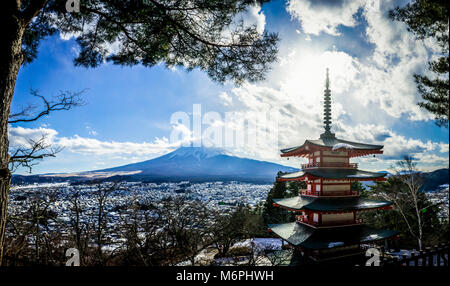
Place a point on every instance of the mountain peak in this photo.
(193, 164)
(196, 152)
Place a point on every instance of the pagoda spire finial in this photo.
(327, 109)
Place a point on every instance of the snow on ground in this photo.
(260, 244)
(206, 256)
(40, 185)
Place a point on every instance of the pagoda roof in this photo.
(320, 204)
(334, 144)
(350, 174)
(311, 238)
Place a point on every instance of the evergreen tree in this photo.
(358, 186)
(272, 214)
(430, 18)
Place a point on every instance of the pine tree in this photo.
(430, 18)
(272, 214)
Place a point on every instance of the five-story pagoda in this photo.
(326, 225)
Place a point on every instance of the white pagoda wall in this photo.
(334, 160)
(340, 188)
(335, 153)
(334, 218)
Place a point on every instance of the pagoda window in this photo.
(337, 187)
(317, 188)
(309, 187)
(335, 153)
(316, 217)
(335, 159)
(340, 218)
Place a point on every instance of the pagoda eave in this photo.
(347, 174)
(314, 178)
(354, 149)
(351, 153)
(310, 238)
(333, 212)
(331, 205)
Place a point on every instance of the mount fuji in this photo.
(203, 164)
(184, 164)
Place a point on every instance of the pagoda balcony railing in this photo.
(307, 220)
(305, 192)
(330, 165)
(310, 165)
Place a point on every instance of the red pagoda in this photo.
(326, 226)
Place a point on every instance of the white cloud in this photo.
(376, 89)
(395, 146)
(227, 99)
(19, 136)
(89, 146)
(316, 18)
(254, 16)
(443, 147)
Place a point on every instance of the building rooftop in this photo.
(331, 143)
(301, 235)
(330, 204)
(331, 173)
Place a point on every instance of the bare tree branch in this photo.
(406, 171)
(66, 100)
(29, 156)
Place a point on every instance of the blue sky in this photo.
(127, 117)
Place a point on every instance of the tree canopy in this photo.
(207, 34)
(430, 19)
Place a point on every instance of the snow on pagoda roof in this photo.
(331, 173)
(308, 237)
(330, 204)
(341, 146)
(333, 144)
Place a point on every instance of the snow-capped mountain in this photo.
(196, 153)
(201, 163)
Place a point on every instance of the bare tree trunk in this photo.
(419, 222)
(11, 59)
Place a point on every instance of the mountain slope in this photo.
(200, 163)
(186, 163)
(432, 180)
